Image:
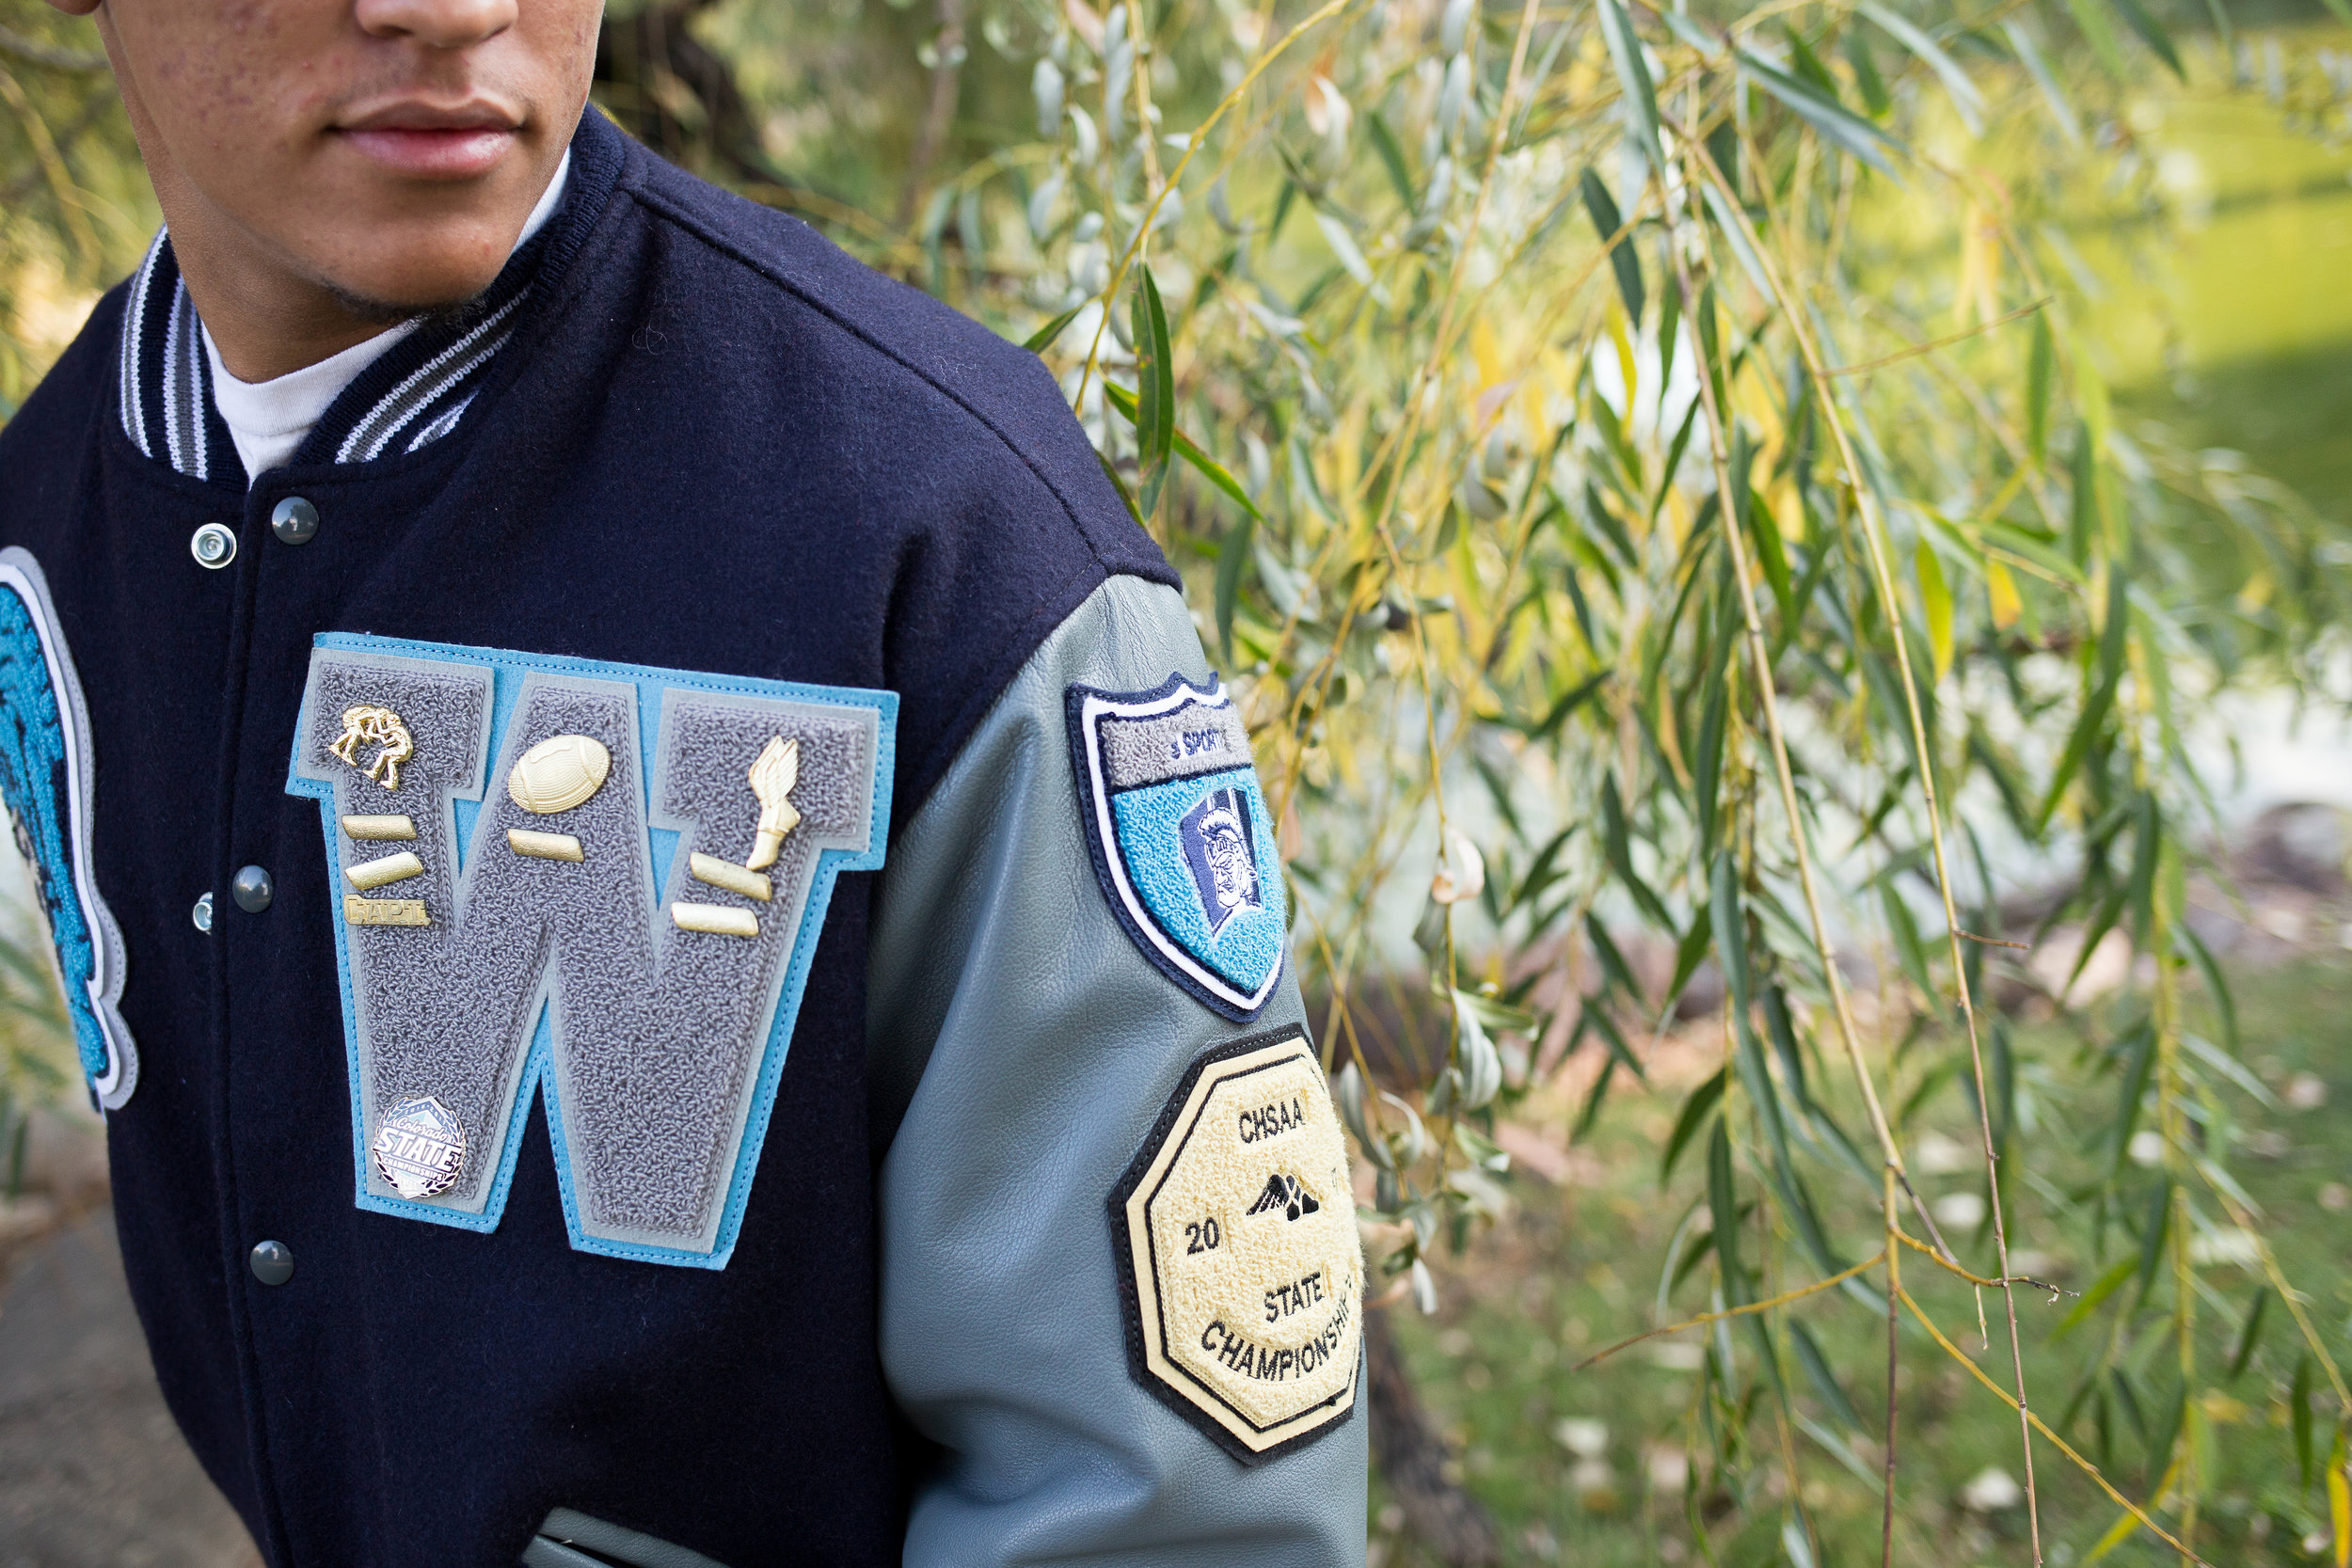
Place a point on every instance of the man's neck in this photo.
(267, 316)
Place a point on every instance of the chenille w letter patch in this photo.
(602, 882)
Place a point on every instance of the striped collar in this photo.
(413, 395)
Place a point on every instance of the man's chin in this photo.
(380, 303)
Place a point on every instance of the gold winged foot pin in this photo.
(772, 776)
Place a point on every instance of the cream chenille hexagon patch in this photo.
(1235, 1235)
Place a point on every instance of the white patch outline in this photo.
(21, 574)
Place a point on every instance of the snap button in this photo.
(213, 545)
(252, 890)
(203, 914)
(272, 1262)
(295, 521)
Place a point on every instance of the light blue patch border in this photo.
(507, 670)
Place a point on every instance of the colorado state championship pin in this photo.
(1180, 837)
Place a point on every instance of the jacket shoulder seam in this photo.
(670, 212)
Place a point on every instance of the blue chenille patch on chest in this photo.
(1179, 837)
(46, 778)
(596, 885)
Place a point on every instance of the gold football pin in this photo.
(772, 776)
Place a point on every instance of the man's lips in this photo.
(432, 143)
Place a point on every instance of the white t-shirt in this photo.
(269, 419)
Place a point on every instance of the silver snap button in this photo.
(295, 521)
(213, 545)
(252, 890)
(272, 1262)
(203, 914)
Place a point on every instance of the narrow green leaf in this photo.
(1593, 1102)
(1691, 952)
(2216, 983)
(1118, 483)
(1603, 208)
(1611, 961)
(1209, 468)
(2299, 1410)
(1624, 52)
(1392, 159)
(1618, 844)
(1773, 555)
(1694, 1111)
(2152, 33)
(2101, 699)
(1905, 928)
(1722, 1202)
(1042, 339)
(1935, 601)
(2250, 1336)
(2167, 1430)
(2104, 1287)
(1849, 132)
(1569, 702)
(1708, 767)
(1810, 70)
(2053, 96)
(1966, 99)
(1817, 1372)
(1156, 390)
(1619, 1052)
(2155, 1226)
(1234, 556)
(1343, 245)
(2004, 1055)
(2039, 362)
(2139, 1058)
(1865, 72)
(1670, 333)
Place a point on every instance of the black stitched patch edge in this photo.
(1130, 1288)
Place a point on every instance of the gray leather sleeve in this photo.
(1032, 1046)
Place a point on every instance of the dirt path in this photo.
(92, 1472)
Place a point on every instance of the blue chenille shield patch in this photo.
(1179, 837)
(45, 777)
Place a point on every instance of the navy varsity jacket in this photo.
(683, 957)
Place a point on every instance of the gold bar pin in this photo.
(716, 919)
(543, 846)
(381, 826)
(384, 912)
(727, 874)
(369, 875)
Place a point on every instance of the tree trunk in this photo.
(1412, 1461)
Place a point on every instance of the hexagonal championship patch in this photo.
(1234, 1231)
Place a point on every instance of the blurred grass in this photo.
(1554, 1283)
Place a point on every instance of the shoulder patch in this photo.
(602, 884)
(45, 777)
(1180, 837)
(1234, 1233)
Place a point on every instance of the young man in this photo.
(682, 953)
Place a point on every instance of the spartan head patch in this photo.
(45, 778)
(599, 883)
(1180, 837)
(1235, 1234)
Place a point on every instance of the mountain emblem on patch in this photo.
(1180, 837)
(1289, 1194)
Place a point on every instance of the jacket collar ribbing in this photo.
(416, 394)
